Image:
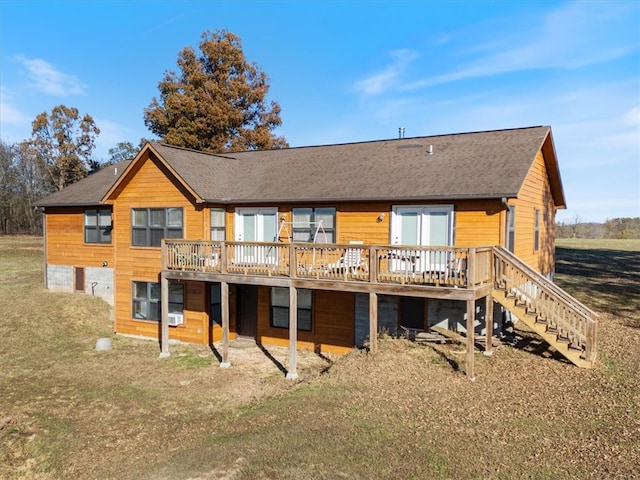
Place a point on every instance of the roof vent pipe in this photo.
(401, 132)
(115, 170)
(430, 150)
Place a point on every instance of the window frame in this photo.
(165, 227)
(215, 304)
(148, 305)
(329, 233)
(536, 230)
(510, 230)
(279, 312)
(219, 228)
(102, 232)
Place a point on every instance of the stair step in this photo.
(546, 330)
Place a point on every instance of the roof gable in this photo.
(148, 152)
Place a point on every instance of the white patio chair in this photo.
(351, 261)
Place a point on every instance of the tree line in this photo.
(217, 102)
(622, 228)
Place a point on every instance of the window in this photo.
(146, 302)
(280, 308)
(215, 306)
(150, 225)
(314, 225)
(176, 297)
(536, 231)
(511, 229)
(217, 224)
(97, 226)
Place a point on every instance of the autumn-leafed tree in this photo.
(61, 144)
(217, 102)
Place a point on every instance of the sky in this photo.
(351, 71)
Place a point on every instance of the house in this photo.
(323, 247)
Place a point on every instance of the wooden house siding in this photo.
(477, 223)
(535, 194)
(65, 240)
(151, 186)
(359, 222)
(333, 323)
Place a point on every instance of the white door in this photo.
(256, 225)
(421, 226)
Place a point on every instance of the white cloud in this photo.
(45, 78)
(575, 35)
(380, 82)
(11, 115)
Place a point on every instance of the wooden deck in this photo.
(462, 274)
(434, 272)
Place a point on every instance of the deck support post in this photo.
(471, 320)
(373, 322)
(292, 373)
(488, 315)
(224, 307)
(164, 316)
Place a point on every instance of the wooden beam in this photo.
(292, 373)
(488, 315)
(164, 316)
(373, 322)
(224, 306)
(428, 291)
(471, 320)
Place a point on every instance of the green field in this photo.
(67, 411)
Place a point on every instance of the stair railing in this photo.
(573, 322)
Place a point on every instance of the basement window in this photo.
(146, 302)
(280, 308)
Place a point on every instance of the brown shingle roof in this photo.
(88, 191)
(492, 164)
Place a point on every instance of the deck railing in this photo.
(436, 266)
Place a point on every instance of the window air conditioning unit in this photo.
(175, 319)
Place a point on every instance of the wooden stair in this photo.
(558, 318)
(548, 332)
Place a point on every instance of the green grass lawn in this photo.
(67, 411)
